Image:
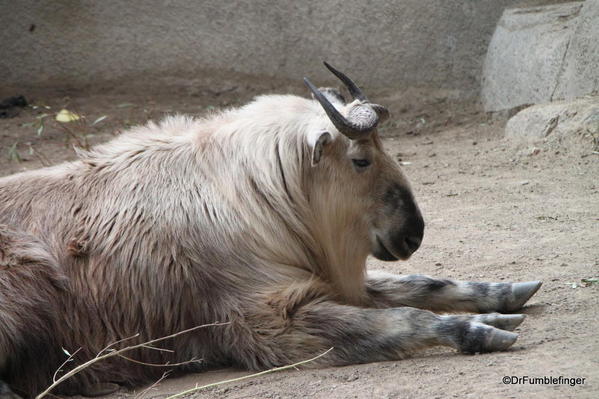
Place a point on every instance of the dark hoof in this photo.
(502, 321)
(499, 340)
(521, 293)
(481, 338)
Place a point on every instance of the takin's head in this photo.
(367, 187)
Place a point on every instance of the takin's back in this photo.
(137, 236)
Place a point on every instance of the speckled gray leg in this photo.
(362, 335)
(389, 290)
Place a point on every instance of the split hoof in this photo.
(481, 338)
(502, 321)
(499, 340)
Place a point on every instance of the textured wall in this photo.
(580, 70)
(381, 42)
(525, 57)
(543, 54)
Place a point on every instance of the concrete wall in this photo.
(396, 43)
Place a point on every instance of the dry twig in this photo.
(245, 377)
(118, 352)
(148, 389)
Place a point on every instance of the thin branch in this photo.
(245, 377)
(39, 155)
(71, 356)
(117, 342)
(158, 349)
(162, 364)
(118, 352)
(70, 133)
(145, 391)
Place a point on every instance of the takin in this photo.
(260, 218)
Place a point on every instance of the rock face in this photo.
(526, 57)
(581, 64)
(557, 119)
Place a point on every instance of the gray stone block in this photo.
(525, 57)
(580, 74)
(556, 119)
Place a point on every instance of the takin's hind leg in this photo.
(389, 290)
(286, 331)
(30, 285)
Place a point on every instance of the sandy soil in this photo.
(495, 211)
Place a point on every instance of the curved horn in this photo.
(351, 130)
(351, 86)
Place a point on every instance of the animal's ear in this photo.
(322, 139)
(381, 111)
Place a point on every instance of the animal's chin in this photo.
(381, 252)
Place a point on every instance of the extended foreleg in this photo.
(273, 337)
(389, 290)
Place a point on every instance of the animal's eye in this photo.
(361, 163)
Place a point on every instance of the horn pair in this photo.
(362, 119)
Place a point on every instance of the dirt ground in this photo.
(495, 211)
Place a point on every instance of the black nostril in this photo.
(413, 243)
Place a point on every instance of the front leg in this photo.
(389, 290)
(296, 328)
